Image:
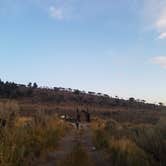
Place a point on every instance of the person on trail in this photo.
(77, 121)
(78, 116)
(77, 124)
(88, 117)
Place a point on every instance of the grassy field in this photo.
(24, 139)
(130, 144)
(128, 137)
(78, 157)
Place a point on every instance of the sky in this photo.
(117, 47)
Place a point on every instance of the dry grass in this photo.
(124, 152)
(98, 123)
(24, 139)
(78, 157)
(131, 144)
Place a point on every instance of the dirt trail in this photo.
(66, 145)
(98, 157)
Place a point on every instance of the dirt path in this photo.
(98, 157)
(66, 145)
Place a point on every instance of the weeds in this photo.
(124, 152)
(130, 144)
(25, 139)
(78, 157)
(100, 139)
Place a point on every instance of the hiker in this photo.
(77, 120)
(78, 116)
(77, 124)
(88, 117)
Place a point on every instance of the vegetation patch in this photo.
(124, 152)
(21, 143)
(130, 144)
(77, 157)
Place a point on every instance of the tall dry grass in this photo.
(78, 157)
(130, 144)
(124, 152)
(23, 139)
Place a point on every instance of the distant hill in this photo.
(58, 95)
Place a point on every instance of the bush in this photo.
(124, 152)
(100, 139)
(151, 140)
(129, 142)
(161, 126)
(21, 144)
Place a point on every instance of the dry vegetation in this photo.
(132, 144)
(132, 132)
(23, 140)
(78, 157)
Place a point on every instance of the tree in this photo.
(143, 101)
(76, 92)
(30, 85)
(35, 85)
(131, 99)
(161, 104)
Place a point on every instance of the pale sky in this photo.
(117, 47)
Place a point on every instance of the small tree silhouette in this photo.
(35, 85)
(30, 85)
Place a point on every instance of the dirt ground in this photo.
(84, 137)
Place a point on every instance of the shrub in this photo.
(124, 152)
(9, 110)
(21, 144)
(148, 141)
(116, 130)
(151, 140)
(161, 126)
(100, 139)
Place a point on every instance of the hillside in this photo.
(120, 132)
(32, 98)
(60, 95)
